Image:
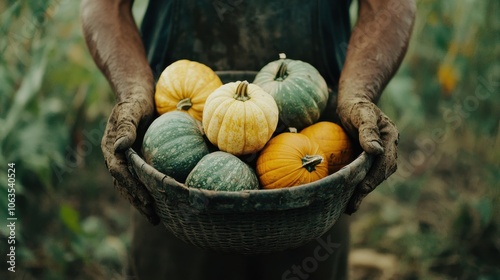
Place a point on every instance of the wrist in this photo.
(358, 90)
(140, 86)
(347, 105)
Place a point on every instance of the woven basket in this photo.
(250, 222)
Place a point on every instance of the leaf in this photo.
(484, 207)
(31, 84)
(70, 217)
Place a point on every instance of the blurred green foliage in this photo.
(53, 104)
(437, 214)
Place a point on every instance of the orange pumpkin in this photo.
(290, 159)
(334, 142)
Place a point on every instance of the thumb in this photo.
(126, 131)
(125, 136)
(369, 134)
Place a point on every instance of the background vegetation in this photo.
(436, 218)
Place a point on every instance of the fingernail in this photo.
(119, 144)
(376, 146)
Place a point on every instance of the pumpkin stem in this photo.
(242, 92)
(282, 74)
(184, 104)
(310, 162)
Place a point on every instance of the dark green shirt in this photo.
(246, 35)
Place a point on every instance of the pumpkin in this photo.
(298, 88)
(185, 85)
(173, 144)
(290, 159)
(239, 118)
(221, 171)
(333, 141)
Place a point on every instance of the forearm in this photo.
(377, 46)
(115, 44)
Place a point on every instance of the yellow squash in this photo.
(185, 85)
(239, 118)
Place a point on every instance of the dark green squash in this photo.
(299, 90)
(173, 144)
(221, 171)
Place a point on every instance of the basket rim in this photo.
(252, 200)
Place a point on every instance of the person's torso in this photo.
(246, 35)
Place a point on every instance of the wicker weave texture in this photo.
(250, 222)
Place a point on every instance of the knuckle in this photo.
(115, 171)
(366, 188)
(126, 127)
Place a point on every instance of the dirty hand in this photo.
(377, 135)
(131, 115)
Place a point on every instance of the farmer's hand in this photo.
(130, 118)
(377, 45)
(115, 44)
(377, 135)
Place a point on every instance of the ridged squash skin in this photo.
(333, 141)
(173, 144)
(185, 85)
(298, 88)
(290, 159)
(221, 171)
(239, 118)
